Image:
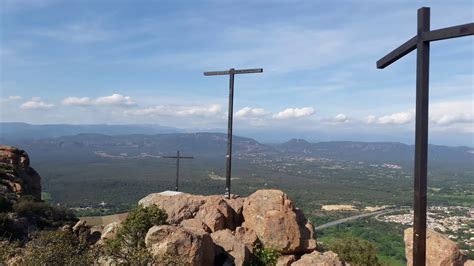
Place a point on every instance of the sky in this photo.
(142, 62)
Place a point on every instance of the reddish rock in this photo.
(196, 226)
(321, 259)
(285, 260)
(173, 245)
(229, 248)
(179, 206)
(277, 223)
(440, 250)
(17, 178)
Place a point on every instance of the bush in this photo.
(355, 251)
(58, 248)
(43, 215)
(264, 256)
(129, 244)
(7, 250)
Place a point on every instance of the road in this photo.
(355, 217)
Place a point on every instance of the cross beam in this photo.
(177, 157)
(421, 42)
(231, 72)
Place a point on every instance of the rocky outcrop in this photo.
(277, 223)
(179, 206)
(231, 228)
(230, 250)
(328, 258)
(440, 250)
(174, 245)
(17, 178)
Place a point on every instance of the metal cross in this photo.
(421, 42)
(177, 157)
(231, 72)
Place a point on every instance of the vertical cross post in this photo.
(231, 72)
(230, 115)
(421, 138)
(177, 157)
(421, 42)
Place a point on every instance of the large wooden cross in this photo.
(421, 42)
(177, 157)
(231, 72)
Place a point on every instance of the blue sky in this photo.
(120, 62)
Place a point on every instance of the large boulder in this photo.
(17, 178)
(229, 250)
(277, 223)
(440, 250)
(110, 231)
(328, 258)
(217, 214)
(175, 245)
(285, 260)
(179, 206)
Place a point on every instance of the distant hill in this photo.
(18, 131)
(214, 144)
(394, 152)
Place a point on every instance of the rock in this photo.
(217, 214)
(81, 224)
(178, 206)
(440, 250)
(109, 231)
(285, 260)
(321, 259)
(17, 178)
(196, 226)
(246, 236)
(277, 223)
(229, 249)
(178, 246)
(85, 234)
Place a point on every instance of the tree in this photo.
(58, 248)
(355, 251)
(129, 244)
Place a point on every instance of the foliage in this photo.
(129, 244)
(42, 214)
(7, 250)
(58, 248)
(355, 251)
(387, 236)
(264, 256)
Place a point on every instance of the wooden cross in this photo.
(231, 72)
(177, 157)
(421, 42)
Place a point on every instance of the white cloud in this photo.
(392, 119)
(370, 119)
(294, 113)
(15, 98)
(36, 104)
(251, 112)
(396, 118)
(76, 101)
(115, 100)
(341, 118)
(181, 111)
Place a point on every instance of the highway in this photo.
(355, 217)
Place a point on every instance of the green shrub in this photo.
(355, 251)
(58, 248)
(129, 244)
(43, 214)
(264, 256)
